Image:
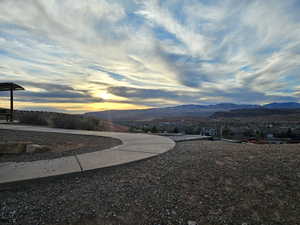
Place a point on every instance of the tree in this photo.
(248, 133)
(188, 130)
(289, 133)
(176, 130)
(154, 129)
(260, 134)
(226, 132)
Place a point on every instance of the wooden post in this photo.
(11, 102)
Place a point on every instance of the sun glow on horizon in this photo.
(102, 106)
(105, 95)
(94, 55)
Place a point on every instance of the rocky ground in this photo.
(199, 182)
(60, 144)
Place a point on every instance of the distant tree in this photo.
(176, 130)
(154, 129)
(289, 133)
(260, 134)
(188, 130)
(248, 133)
(226, 132)
(198, 130)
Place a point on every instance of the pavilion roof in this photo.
(7, 87)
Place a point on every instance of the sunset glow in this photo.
(79, 56)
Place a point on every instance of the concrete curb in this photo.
(134, 147)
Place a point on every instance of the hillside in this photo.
(196, 111)
(281, 114)
(284, 105)
(66, 121)
(168, 112)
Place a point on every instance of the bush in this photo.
(74, 122)
(59, 120)
(33, 118)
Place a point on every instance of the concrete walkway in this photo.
(134, 147)
(181, 138)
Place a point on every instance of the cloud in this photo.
(246, 95)
(165, 52)
(139, 93)
(52, 93)
(48, 109)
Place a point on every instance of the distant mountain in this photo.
(167, 112)
(237, 113)
(216, 106)
(284, 105)
(259, 114)
(188, 111)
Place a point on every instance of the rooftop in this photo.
(7, 87)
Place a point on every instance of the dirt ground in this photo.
(60, 144)
(199, 182)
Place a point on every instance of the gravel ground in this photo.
(60, 144)
(199, 182)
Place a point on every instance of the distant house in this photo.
(271, 139)
(209, 131)
(296, 132)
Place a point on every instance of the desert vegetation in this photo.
(65, 121)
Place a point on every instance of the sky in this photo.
(76, 56)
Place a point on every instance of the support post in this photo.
(11, 103)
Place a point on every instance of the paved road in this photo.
(134, 147)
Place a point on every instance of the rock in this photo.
(192, 222)
(13, 147)
(4, 219)
(32, 148)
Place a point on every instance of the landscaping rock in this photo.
(13, 147)
(60, 145)
(32, 148)
(186, 179)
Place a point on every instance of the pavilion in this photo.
(10, 87)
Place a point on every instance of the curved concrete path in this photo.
(134, 147)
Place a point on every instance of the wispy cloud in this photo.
(162, 52)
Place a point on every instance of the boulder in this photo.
(190, 222)
(32, 148)
(13, 147)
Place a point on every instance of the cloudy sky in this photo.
(77, 56)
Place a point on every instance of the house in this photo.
(209, 131)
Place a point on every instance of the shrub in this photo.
(33, 118)
(74, 122)
(59, 120)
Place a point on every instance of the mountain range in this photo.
(284, 105)
(183, 111)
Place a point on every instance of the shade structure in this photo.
(10, 87)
